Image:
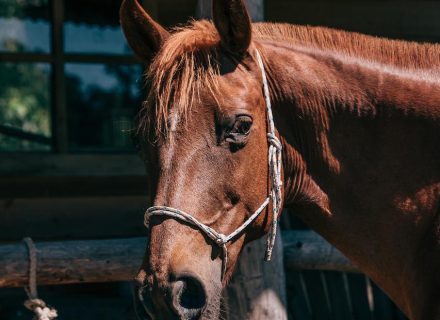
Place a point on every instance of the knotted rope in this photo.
(41, 310)
(275, 149)
(274, 162)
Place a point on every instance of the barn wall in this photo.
(411, 20)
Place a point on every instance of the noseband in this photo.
(274, 160)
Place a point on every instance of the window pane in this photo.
(92, 26)
(24, 26)
(24, 106)
(102, 101)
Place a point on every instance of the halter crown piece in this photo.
(274, 160)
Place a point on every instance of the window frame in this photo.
(58, 58)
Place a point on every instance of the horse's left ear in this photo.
(144, 35)
(233, 24)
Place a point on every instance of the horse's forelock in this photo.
(186, 64)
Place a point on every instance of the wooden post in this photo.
(255, 7)
(257, 289)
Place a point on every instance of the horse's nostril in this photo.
(189, 295)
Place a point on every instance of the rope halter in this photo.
(274, 161)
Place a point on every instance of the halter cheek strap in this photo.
(274, 161)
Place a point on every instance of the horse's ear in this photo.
(144, 35)
(233, 23)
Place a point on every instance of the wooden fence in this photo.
(313, 290)
(85, 261)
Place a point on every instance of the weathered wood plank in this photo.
(340, 307)
(118, 259)
(73, 261)
(361, 308)
(299, 303)
(257, 290)
(317, 299)
(308, 250)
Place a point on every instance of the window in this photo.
(68, 80)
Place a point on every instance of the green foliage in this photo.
(20, 8)
(24, 102)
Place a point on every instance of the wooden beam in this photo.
(308, 250)
(25, 57)
(102, 58)
(46, 164)
(70, 57)
(58, 85)
(33, 175)
(72, 261)
(72, 217)
(118, 259)
(255, 7)
(72, 186)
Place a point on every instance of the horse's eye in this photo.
(242, 125)
(237, 134)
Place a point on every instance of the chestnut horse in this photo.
(358, 118)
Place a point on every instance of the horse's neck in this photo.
(361, 149)
(319, 99)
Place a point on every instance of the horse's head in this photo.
(205, 129)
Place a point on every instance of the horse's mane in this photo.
(402, 54)
(188, 62)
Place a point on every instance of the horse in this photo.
(356, 133)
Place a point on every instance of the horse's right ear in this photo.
(144, 35)
(233, 24)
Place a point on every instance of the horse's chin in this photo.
(212, 311)
(145, 310)
(141, 307)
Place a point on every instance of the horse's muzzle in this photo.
(186, 299)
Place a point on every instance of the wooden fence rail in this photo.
(118, 259)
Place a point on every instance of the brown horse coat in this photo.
(359, 119)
